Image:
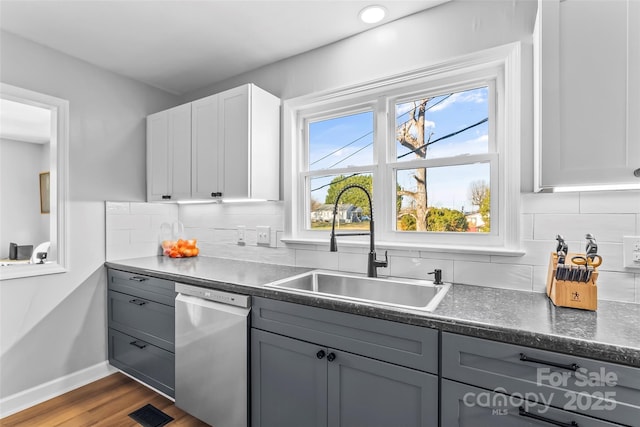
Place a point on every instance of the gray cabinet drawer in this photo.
(150, 364)
(148, 287)
(405, 345)
(468, 406)
(564, 381)
(142, 318)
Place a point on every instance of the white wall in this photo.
(54, 326)
(20, 219)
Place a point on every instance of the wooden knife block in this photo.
(567, 293)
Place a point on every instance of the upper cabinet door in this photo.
(158, 156)
(234, 136)
(205, 179)
(587, 58)
(180, 142)
(169, 154)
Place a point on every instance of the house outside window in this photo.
(437, 149)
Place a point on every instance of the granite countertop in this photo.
(611, 334)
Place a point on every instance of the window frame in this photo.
(499, 67)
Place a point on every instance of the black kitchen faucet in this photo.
(373, 263)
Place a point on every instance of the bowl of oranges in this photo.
(181, 248)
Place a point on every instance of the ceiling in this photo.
(184, 45)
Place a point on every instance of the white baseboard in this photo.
(27, 398)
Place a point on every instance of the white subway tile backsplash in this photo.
(356, 263)
(610, 202)
(418, 268)
(118, 237)
(537, 252)
(605, 227)
(128, 222)
(117, 208)
(200, 234)
(550, 203)
(454, 257)
(493, 275)
(526, 227)
(131, 250)
(540, 278)
(139, 236)
(637, 280)
(166, 209)
(614, 286)
(317, 259)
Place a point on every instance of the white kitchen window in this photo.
(437, 149)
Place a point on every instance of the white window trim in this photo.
(507, 59)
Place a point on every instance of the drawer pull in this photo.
(571, 367)
(137, 302)
(138, 278)
(331, 357)
(523, 413)
(135, 344)
(320, 354)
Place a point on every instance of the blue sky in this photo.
(347, 141)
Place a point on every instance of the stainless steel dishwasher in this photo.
(211, 355)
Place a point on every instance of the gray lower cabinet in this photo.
(597, 393)
(299, 383)
(142, 328)
(467, 406)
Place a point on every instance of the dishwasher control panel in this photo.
(214, 295)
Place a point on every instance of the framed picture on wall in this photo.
(44, 193)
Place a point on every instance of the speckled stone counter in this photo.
(611, 334)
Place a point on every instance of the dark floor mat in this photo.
(150, 416)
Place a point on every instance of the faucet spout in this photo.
(373, 263)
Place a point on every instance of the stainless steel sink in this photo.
(407, 293)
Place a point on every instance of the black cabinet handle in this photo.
(138, 278)
(331, 357)
(137, 302)
(636, 173)
(523, 413)
(166, 197)
(216, 194)
(135, 344)
(320, 354)
(571, 367)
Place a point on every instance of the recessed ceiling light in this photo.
(372, 14)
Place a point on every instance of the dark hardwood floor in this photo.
(106, 402)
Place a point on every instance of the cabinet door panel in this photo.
(234, 139)
(589, 90)
(468, 406)
(204, 157)
(157, 156)
(562, 380)
(148, 363)
(152, 322)
(367, 392)
(180, 140)
(288, 382)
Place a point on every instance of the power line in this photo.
(351, 155)
(444, 137)
(369, 133)
(344, 146)
(332, 182)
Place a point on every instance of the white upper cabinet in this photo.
(169, 154)
(234, 150)
(587, 56)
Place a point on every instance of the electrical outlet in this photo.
(264, 235)
(631, 252)
(241, 234)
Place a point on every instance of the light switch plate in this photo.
(631, 252)
(263, 235)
